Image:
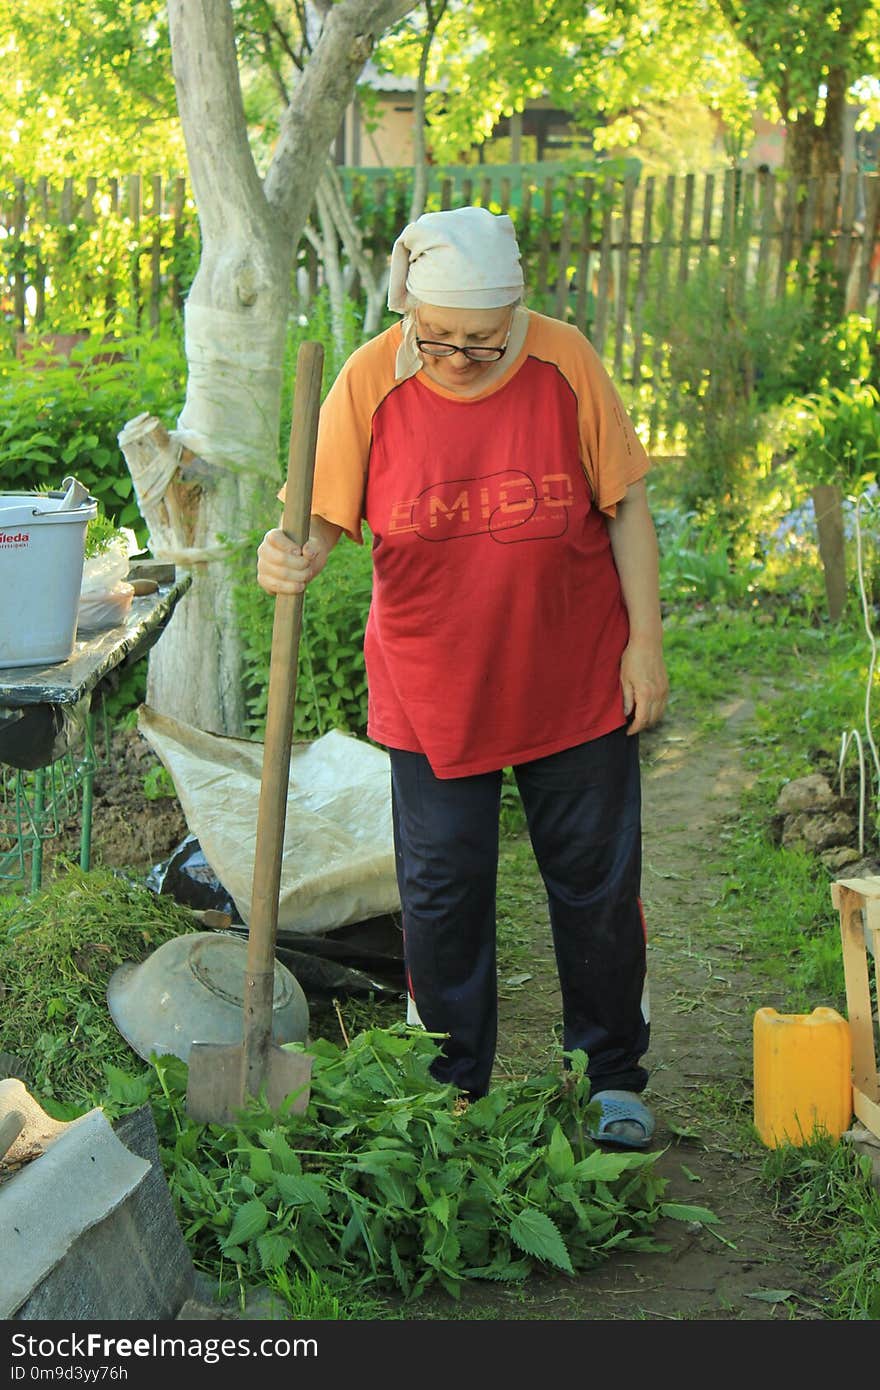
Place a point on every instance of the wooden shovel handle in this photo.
(263, 924)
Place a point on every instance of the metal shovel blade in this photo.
(216, 1093)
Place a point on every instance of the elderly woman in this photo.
(515, 622)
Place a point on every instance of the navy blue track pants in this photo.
(583, 808)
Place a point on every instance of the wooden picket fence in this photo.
(125, 245)
(611, 254)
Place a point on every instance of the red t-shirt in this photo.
(497, 622)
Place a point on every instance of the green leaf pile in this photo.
(387, 1181)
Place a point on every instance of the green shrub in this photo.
(62, 416)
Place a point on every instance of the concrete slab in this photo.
(89, 1227)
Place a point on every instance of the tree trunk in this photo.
(434, 10)
(236, 322)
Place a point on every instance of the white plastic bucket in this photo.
(41, 562)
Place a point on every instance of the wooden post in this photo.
(828, 509)
(446, 194)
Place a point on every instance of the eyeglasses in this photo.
(473, 354)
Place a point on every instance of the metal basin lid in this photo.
(191, 990)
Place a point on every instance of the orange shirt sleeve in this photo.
(345, 432)
(612, 454)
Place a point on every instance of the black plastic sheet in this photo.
(357, 960)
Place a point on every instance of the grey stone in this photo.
(805, 794)
(818, 831)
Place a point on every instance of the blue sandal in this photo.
(624, 1120)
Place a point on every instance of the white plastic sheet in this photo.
(338, 858)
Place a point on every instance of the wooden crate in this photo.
(858, 902)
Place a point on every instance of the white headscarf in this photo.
(465, 258)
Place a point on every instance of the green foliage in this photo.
(158, 784)
(62, 416)
(101, 534)
(87, 81)
(385, 1181)
(729, 358)
(839, 437)
(331, 679)
(825, 1191)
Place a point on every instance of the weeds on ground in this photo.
(825, 1190)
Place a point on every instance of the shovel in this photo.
(223, 1077)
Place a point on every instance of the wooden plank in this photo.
(42, 270)
(505, 193)
(177, 210)
(134, 217)
(728, 213)
(544, 240)
(706, 227)
(87, 211)
(786, 240)
(858, 992)
(642, 282)
(768, 219)
(849, 192)
(525, 221)
(584, 262)
(155, 249)
(867, 1110)
(603, 288)
(684, 255)
(746, 225)
(19, 219)
(659, 348)
(67, 201)
(564, 255)
(467, 191)
(622, 294)
(486, 191)
(446, 194)
(807, 220)
(869, 241)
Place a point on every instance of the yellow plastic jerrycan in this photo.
(803, 1076)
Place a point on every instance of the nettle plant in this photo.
(386, 1182)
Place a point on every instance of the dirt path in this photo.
(702, 1001)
